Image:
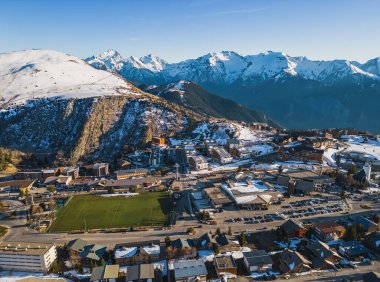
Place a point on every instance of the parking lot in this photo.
(294, 207)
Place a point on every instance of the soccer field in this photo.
(93, 212)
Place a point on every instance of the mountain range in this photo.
(60, 108)
(295, 91)
(199, 100)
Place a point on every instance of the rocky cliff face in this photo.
(58, 107)
(99, 128)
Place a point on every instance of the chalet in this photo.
(51, 180)
(86, 252)
(260, 126)
(29, 175)
(49, 172)
(221, 156)
(303, 181)
(353, 250)
(64, 180)
(293, 262)
(83, 183)
(209, 145)
(100, 169)
(233, 143)
(138, 252)
(189, 270)
(105, 273)
(373, 241)
(16, 185)
(293, 229)
(70, 171)
(182, 248)
(182, 243)
(368, 225)
(189, 149)
(328, 230)
(225, 264)
(322, 256)
(140, 273)
(301, 153)
(129, 173)
(216, 197)
(319, 142)
(257, 261)
(225, 244)
(122, 183)
(240, 153)
(203, 242)
(198, 162)
(159, 141)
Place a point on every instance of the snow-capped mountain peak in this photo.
(153, 63)
(372, 66)
(229, 67)
(33, 74)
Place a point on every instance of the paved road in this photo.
(345, 273)
(19, 232)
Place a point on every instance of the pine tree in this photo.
(229, 231)
(351, 170)
(216, 248)
(243, 239)
(217, 232)
(168, 241)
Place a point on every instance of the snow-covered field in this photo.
(372, 150)
(329, 156)
(222, 131)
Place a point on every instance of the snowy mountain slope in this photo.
(372, 66)
(28, 75)
(58, 106)
(295, 91)
(198, 99)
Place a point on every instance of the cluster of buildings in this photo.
(299, 248)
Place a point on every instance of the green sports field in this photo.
(95, 212)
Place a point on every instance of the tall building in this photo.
(367, 169)
(33, 257)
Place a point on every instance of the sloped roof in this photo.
(328, 227)
(291, 225)
(181, 243)
(146, 271)
(291, 259)
(189, 268)
(76, 244)
(258, 257)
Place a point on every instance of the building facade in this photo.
(28, 257)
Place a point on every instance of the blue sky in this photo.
(181, 29)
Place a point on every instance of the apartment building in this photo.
(33, 257)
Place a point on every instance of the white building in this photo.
(221, 156)
(367, 169)
(198, 162)
(28, 257)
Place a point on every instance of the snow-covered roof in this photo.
(125, 252)
(152, 249)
